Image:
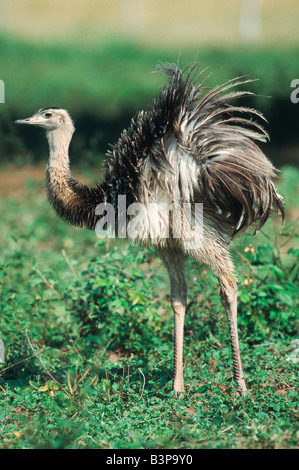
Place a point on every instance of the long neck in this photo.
(59, 141)
(71, 200)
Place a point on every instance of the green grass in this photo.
(89, 339)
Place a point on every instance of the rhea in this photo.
(191, 146)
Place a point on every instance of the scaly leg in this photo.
(175, 264)
(228, 295)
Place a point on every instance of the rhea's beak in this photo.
(26, 121)
(37, 120)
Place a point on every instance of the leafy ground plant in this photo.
(88, 335)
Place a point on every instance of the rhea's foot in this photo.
(241, 388)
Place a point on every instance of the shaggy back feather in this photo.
(196, 147)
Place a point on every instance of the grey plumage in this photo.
(233, 173)
(189, 146)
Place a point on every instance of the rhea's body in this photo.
(187, 149)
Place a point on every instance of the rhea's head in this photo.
(50, 119)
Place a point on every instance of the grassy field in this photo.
(88, 336)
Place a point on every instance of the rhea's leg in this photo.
(218, 258)
(174, 262)
(228, 295)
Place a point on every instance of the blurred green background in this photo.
(94, 58)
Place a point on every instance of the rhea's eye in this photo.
(48, 115)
